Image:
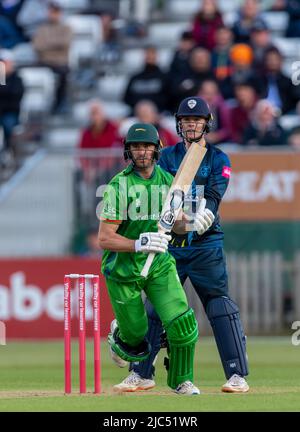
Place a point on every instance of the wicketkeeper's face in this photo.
(192, 127)
(142, 154)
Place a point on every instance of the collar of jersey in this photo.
(130, 169)
(183, 150)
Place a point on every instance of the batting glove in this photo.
(152, 242)
(204, 218)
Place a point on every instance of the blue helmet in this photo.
(193, 106)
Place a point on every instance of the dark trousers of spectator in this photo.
(61, 73)
(8, 121)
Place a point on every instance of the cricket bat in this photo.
(179, 188)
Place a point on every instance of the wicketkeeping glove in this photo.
(204, 218)
(152, 242)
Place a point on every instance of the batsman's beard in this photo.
(143, 162)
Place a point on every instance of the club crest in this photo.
(192, 103)
(205, 171)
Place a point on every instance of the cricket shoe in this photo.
(134, 382)
(187, 388)
(235, 384)
(114, 356)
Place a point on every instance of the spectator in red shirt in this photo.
(100, 134)
(206, 23)
(246, 98)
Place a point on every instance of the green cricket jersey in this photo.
(136, 203)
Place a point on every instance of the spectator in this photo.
(52, 43)
(249, 12)
(10, 32)
(221, 62)
(10, 97)
(205, 24)
(264, 129)
(101, 132)
(246, 98)
(293, 9)
(279, 89)
(221, 126)
(242, 57)
(187, 83)
(110, 50)
(147, 84)
(180, 61)
(146, 112)
(260, 41)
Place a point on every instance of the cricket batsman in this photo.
(199, 254)
(127, 233)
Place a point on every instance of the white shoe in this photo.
(235, 384)
(187, 388)
(133, 383)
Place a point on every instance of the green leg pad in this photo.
(182, 336)
(127, 354)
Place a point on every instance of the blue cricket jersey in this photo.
(210, 182)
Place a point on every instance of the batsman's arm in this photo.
(109, 239)
(217, 182)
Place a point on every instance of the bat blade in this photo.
(179, 188)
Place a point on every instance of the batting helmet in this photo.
(142, 133)
(193, 107)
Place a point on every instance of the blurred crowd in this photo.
(237, 69)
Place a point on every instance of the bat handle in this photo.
(147, 265)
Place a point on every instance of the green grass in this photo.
(31, 379)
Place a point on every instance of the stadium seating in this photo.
(71, 5)
(166, 33)
(113, 109)
(63, 137)
(276, 21)
(87, 36)
(290, 121)
(289, 47)
(39, 90)
(24, 55)
(112, 87)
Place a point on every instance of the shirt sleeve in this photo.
(217, 182)
(113, 205)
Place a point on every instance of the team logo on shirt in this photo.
(192, 103)
(205, 171)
